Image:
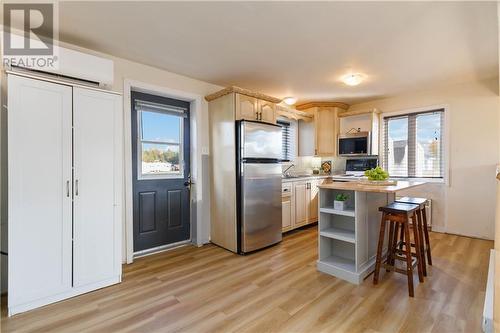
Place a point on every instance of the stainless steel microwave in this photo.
(355, 144)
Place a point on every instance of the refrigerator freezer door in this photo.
(260, 141)
(261, 205)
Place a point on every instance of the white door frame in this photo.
(195, 101)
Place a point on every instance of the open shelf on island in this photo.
(339, 233)
(331, 210)
(339, 262)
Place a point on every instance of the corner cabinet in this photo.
(321, 135)
(65, 191)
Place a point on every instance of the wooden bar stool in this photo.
(422, 224)
(398, 215)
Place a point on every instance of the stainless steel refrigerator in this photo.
(258, 165)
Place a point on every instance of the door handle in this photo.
(188, 183)
(67, 188)
(76, 187)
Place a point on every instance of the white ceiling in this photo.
(297, 48)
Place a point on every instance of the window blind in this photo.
(288, 140)
(413, 145)
(162, 108)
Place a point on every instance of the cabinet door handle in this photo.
(76, 187)
(308, 186)
(67, 188)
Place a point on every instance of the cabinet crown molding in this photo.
(293, 113)
(242, 91)
(309, 105)
(358, 112)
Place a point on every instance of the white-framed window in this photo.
(413, 144)
(160, 140)
(289, 138)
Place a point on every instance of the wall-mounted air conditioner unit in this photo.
(74, 65)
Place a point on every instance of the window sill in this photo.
(427, 180)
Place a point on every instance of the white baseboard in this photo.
(438, 228)
(488, 301)
(15, 309)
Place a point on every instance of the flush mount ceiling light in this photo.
(290, 100)
(353, 79)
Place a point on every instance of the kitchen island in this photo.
(347, 245)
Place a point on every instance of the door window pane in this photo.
(160, 127)
(397, 144)
(160, 159)
(160, 145)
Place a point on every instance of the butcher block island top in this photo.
(363, 187)
(348, 237)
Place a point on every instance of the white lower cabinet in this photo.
(64, 191)
(287, 207)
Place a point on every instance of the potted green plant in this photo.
(340, 201)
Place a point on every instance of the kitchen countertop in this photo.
(356, 186)
(305, 177)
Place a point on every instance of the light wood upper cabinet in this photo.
(326, 125)
(251, 108)
(267, 111)
(246, 107)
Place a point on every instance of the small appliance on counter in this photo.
(355, 168)
(358, 166)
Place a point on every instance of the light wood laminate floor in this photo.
(209, 289)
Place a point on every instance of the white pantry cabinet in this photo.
(64, 191)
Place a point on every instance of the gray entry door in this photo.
(161, 172)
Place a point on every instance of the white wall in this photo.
(125, 69)
(467, 205)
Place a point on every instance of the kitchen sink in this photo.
(290, 176)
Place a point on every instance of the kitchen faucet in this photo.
(289, 167)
